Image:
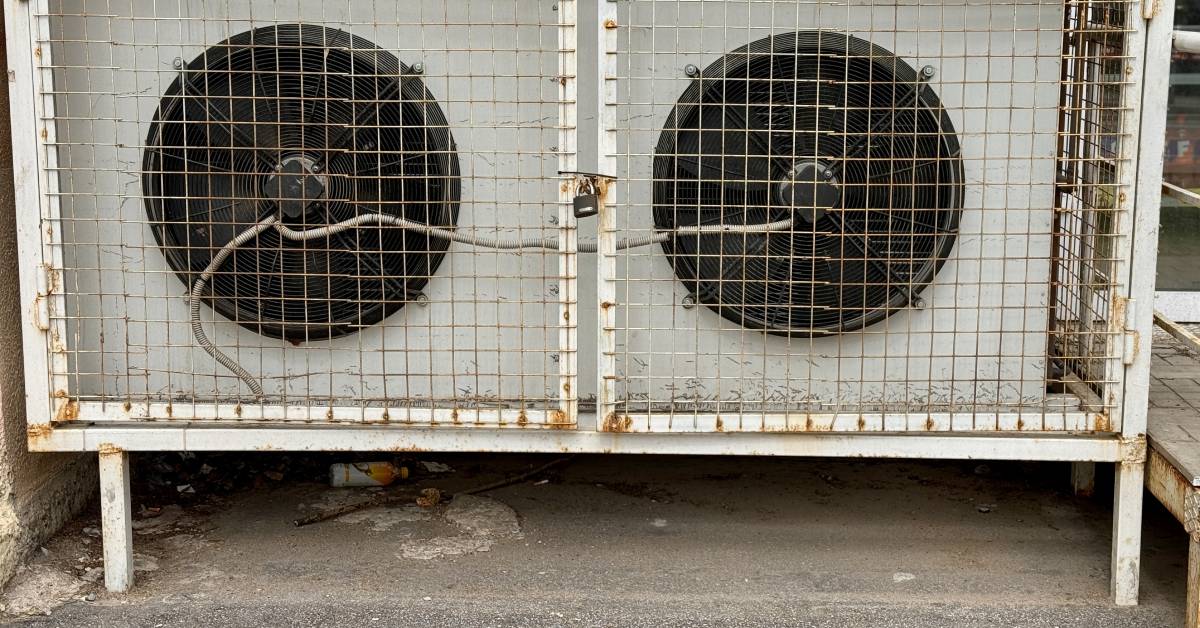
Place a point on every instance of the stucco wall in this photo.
(38, 492)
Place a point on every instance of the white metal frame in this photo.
(113, 431)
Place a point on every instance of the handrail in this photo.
(1180, 194)
(1189, 340)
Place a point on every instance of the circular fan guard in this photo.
(834, 133)
(315, 126)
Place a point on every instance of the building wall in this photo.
(38, 492)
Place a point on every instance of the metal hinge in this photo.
(1149, 9)
(1130, 337)
(41, 302)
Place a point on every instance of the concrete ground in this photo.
(630, 541)
(653, 541)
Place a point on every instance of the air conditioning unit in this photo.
(400, 154)
(928, 228)
(914, 152)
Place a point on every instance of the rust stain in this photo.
(407, 448)
(522, 418)
(39, 431)
(237, 410)
(720, 425)
(604, 305)
(862, 424)
(127, 406)
(610, 23)
(567, 388)
(929, 424)
(808, 424)
(68, 411)
(616, 423)
(109, 449)
(1020, 424)
(558, 420)
(1103, 424)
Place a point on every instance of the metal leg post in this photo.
(117, 520)
(1127, 532)
(1083, 478)
(1193, 582)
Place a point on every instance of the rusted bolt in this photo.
(691, 70)
(610, 23)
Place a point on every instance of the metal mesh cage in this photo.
(816, 216)
(398, 151)
(903, 203)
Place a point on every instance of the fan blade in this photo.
(217, 119)
(731, 172)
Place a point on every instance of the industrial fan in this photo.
(306, 126)
(834, 134)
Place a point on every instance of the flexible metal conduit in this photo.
(504, 244)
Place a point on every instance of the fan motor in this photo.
(833, 133)
(314, 126)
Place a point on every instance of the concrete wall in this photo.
(38, 492)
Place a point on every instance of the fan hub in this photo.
(810, 189)
(296, 186)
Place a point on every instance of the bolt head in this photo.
(689, 302)
(691, 70)
(178, 63)
(928, 71)
(418, 68)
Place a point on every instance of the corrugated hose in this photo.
(503, 244)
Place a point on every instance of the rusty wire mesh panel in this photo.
(851, 214)
(305, 210)
(1084, 329)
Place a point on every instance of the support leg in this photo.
(1083, 478)
(1193, 582)
(117, 520)
(1127, 532)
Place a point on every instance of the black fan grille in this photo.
(367, 136)
(840, 136)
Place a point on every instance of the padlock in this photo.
(587, 203)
